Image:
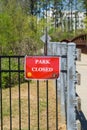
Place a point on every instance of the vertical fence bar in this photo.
(1, 111)
(19, 93)
(38, 105)
(71, 88)
(56, 105)
(47, 107)
(10, 95)
(28, 105)
(0, 92)
(63, 51)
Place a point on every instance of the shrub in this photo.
(11, 78)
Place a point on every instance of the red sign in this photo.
(42, 67)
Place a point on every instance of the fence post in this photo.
(66, 81)
(60, 49)
(63, 54)
(71, 87)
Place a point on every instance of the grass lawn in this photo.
(33, 107)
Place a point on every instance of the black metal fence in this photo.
(26, 105)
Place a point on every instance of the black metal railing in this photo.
(26, 105)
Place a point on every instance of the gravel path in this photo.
(82, 89)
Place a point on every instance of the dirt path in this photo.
(82, 89)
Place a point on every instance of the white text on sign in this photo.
(43, 69)
(42, 61)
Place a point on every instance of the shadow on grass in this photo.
(81, 117)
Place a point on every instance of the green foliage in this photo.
(8, 78)
(17, 27)
(5, 27)
(85, 22)
(59, 35)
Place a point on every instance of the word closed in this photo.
(42, 67)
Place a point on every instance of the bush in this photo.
(58, 35)
(11, 78)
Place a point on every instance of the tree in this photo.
(15, 28)
(85, 6)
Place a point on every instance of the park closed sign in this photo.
(42, 67)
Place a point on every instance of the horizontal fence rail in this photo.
(26, 105)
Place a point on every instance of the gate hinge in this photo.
(78, 55)
(75, 101)
(78, 78)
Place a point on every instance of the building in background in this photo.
(67, 20)
(73, 20)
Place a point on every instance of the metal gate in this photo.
(25, 105)
(32, 105)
